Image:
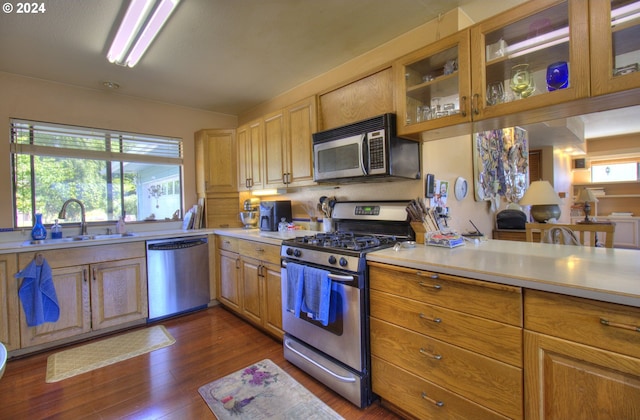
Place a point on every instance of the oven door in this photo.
(343, 158)
(342, 338)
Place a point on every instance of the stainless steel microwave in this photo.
(368, 150)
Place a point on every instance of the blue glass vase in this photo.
(38, 232)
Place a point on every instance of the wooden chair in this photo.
(604, 229)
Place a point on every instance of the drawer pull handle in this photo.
(435, 286)
(619, 325)
(430, 275)
(436, 320)
(434, 356)
(431, 400)
(259, 249)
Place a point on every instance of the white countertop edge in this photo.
(18, 247)
(573, 290)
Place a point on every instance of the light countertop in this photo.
(610, 275)
(274, 238)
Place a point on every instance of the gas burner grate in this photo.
(345, 240)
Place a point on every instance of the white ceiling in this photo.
(228, 55)
(219, 55)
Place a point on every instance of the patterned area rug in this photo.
(263, 391)
(68, 363)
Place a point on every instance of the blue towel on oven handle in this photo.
(37, 294)
(295, 273)
(316, 294)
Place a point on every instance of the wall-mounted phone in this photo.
(429, 186)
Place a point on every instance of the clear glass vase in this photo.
(38, 232)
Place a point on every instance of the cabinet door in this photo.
(118, 292)
(72, 289)
(275, 139)
(301, 123)
(216, 161)
(255, 154)
(244, 148)
(251, 289)
(615, 46)
(434, 85)
(9, 305)
(565, 380)
(229, 290)
(272, 300)
(537, 34)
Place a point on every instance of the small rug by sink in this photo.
(263, 391)
(97, 354)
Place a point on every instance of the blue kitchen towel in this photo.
(316, 294)
(37, 294)
(294, 278)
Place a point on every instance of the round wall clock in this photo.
(460, 188)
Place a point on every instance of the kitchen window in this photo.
(112, 173)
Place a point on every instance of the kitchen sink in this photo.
(79, 238)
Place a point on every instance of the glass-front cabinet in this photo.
(434, 84)
(615, 43)
(529, 57)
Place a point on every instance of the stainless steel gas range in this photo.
(325, 294)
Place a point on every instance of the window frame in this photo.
(119, 148)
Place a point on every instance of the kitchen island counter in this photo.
(605, 274)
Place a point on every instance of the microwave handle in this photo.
(365, 159)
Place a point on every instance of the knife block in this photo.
(420, 229)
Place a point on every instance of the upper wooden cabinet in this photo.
(300, 123)
(276, 150)
(536, 34)
(251, 155)
(615, 51)
(449, 82)
(434, 85)
(216, 161)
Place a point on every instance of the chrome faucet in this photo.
(83, 222)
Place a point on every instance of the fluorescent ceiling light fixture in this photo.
(137, 30)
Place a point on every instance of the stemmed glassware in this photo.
(521, 82)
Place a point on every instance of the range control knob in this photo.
(297, 253)
(332, 260)
(343, 262)
(289, 251)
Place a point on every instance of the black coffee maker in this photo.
(271, 212)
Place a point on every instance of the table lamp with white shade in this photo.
(544, 201)
(587, 196)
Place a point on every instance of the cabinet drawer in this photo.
(260, 251)
(422, 398)
(584, 321)
(494, 339)
(489, 382)
(227, 243)
(488, 300)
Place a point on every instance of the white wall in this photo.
(39, 100)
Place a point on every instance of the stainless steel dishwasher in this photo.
(178, 275)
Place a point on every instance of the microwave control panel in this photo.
(376, 152)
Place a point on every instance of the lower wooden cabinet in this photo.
(108, 289)
(444, 346)
(582, 358)
(420, 398)
(9, 305)
(249, 278)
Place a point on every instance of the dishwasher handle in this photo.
(179, 244)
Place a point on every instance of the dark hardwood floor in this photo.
(162, 384)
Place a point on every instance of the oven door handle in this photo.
(313, 362)
(335, 277)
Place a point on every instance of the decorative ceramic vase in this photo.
(38, 232)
